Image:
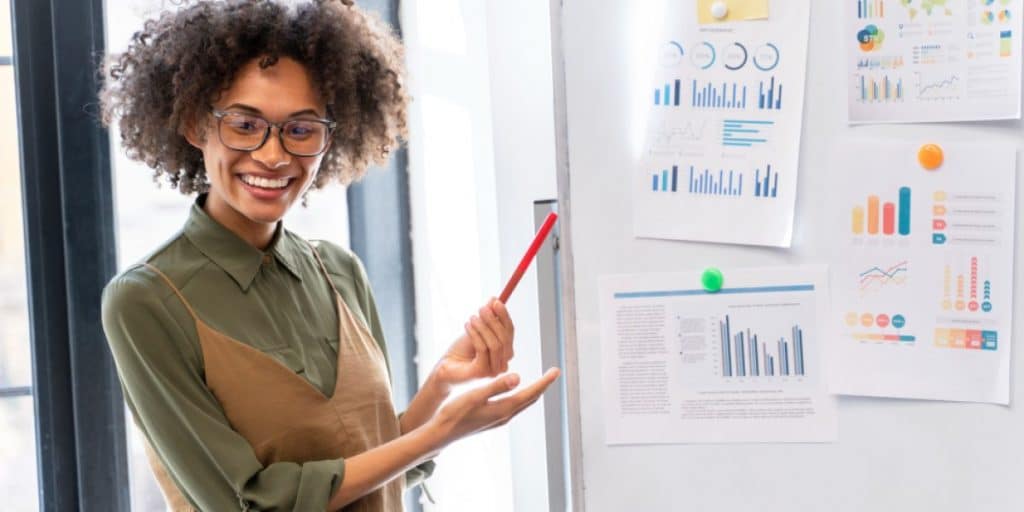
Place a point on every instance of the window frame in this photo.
(70, 254)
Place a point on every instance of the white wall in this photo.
(481, 151)
(524, 166)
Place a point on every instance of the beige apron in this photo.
(287, 419)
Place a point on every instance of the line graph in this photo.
(877, 278)
(945, 87)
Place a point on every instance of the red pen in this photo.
(542, 233)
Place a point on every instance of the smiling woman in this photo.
(251, 359)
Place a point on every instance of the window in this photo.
(18, 481)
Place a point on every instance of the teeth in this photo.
(257, 181)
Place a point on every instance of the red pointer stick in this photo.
(542, 233)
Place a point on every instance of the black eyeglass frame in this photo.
(219, 115)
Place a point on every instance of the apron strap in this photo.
(175, 288)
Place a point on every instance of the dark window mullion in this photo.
(90, 259)
(69, 255)
(44, 255)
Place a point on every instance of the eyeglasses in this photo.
(249, 132)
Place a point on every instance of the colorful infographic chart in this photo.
(725, 110)
(744, 364)
(908, 57)
(921, 285)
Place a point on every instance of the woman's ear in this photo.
(192, 133)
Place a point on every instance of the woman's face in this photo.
(259, 186)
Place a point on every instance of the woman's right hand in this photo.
(477, 410)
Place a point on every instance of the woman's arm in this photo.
(473, 412)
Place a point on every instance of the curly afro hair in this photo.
(180, 62)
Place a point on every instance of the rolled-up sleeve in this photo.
(161, 373)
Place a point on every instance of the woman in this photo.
(251, 359)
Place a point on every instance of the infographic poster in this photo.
(933, 60)
(922, 272)
(725, 108)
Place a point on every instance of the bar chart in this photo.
(745, 354)
(744, 133)
(965, 291)
(721, 182)
(769, 186)
(666, 181)
(878, 218)
(769, 95)
(882, 89)
(668, 95)
(716, 184)
(724, 96)
(870, 9)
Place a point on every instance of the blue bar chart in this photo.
(714, 182)
(721, 183)
(744, 133)
(769, 95)
(767, 187)
(665, 180)
(745, 355)
(668, 95)
(724, 96)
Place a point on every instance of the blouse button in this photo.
(266, 259)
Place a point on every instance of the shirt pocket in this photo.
(289, 358)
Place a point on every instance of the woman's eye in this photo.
(244, 125)
(299, 131)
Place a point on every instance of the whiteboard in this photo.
(891, 454)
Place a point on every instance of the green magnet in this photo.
(712, 280)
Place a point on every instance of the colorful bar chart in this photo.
(879, 90)
(744, 133)
(769, 186)
(968, 296)
(743, 355)
(668, 95)
(868, 9)
(1005, 43)
(885, 219)
(770, 97)
(722, 184)
(732, 96)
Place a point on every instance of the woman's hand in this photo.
(478, 410)
(483, 350)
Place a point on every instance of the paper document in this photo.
(719, 161)
(682, 365)
(933, 60)
(736, 10)
(922, 272)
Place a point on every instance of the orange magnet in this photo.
(930, 156)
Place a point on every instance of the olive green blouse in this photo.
(277, 301)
